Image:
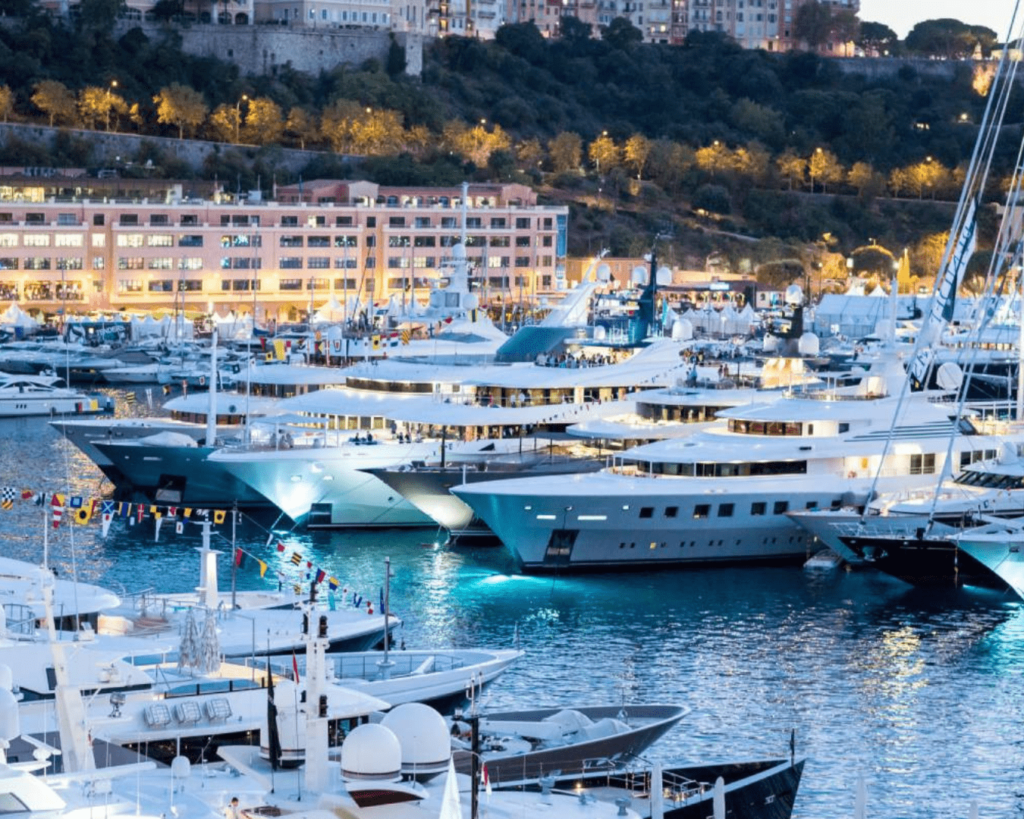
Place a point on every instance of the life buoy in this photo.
(202, 380)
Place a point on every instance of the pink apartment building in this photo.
(312, 241)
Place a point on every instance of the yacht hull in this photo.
(176, 475)
(327, 488)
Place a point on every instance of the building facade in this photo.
(274, 259)
(766, 24)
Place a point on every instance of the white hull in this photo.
(606, 520)
(329, 484)
(77, 405)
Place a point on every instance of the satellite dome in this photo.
(663, 276)
(603, 272)
(639, 275)
(423, 736)
(809, 344)
(794, 295)
(371, 751)
(458, 251)
(770, 344)
(470, 301)
(181, 768)
(682, 330)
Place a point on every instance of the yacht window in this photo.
(9, 803)
(758, 508)
(647, 511)
(812, 504)
(725, 510)
(922, 464)
(844, 427)
(702, 510)
(671, 511)
(781, 507)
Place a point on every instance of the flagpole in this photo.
(234, 555)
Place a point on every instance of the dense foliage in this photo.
(728, 145)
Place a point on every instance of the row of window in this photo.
(309, 220)
(702, 511)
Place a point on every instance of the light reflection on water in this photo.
(918, 691)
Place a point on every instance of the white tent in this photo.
(332, 311)
(14, 316)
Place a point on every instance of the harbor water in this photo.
(919, 693)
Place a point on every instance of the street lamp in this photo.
(238, 115)
(110, 100)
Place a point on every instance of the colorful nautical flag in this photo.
(239, 558)
(179, 527)
(405, 336)
(295, 667)
(107, 513)
(263, 568)
(280, 546)
(320, 575)
(75, 502)
(27, 494)
(7, 496)
(219, 515)
(332, 583)
(83, 514)
(296, 558)
(57, 504)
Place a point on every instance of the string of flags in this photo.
(314, 574)
(83, 511)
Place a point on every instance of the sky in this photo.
(902, 15)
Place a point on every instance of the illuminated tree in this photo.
(180, 106)
(225, 122)
(96, 103)
(824, 166)
(55, 100)
(792, 167)
(604, 153)
(530, 153)
(6, 102)
(714, 159)
(565, 151)
(301, 125)
(336, 124)
(636, 152)
(264, 122)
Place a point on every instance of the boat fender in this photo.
(202, 380)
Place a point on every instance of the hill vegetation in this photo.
(738, 153)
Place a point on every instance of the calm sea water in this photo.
(920, 693)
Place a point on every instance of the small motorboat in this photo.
(519, 745)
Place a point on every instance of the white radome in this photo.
(371, 751)
(422, 734)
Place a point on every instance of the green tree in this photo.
(180, 106)
(565, 151)
(396, 61)
(378, 133)
(336, 124)
(948, 38)
(636, 152)
(877, 39)
(621, 34)
(813, 23)
(55, 100)
(225, 123)
(100, 14)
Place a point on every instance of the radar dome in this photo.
(639, 275)
(949, 376)
(470, 301)
(423, 736)
(794, 295)
(181, 768)
(809, 344)
(770, 344)
(371, 751)
(604, 273)
(600, 333)
(682, 330)
(458, 251)
(663, 276)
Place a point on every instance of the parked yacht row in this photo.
(103, 731)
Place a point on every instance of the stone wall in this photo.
(111, 150)
(262, 50)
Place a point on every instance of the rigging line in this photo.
(974, 183)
